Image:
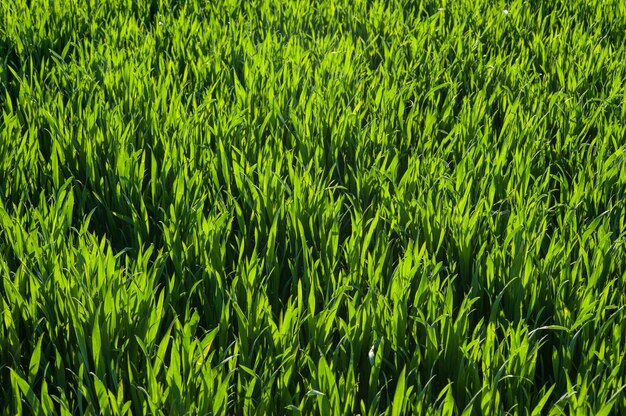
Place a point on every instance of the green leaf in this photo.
(397, 407)
(542, 402)
(35, 358)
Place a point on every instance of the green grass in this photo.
(329, 207)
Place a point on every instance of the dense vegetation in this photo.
(333, 207)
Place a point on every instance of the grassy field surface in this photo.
(313, 207)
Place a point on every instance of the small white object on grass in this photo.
(371, 355)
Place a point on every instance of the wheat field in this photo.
(328, 207)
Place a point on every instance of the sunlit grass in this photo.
(332, 207)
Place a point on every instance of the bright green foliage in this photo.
(313, 207)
